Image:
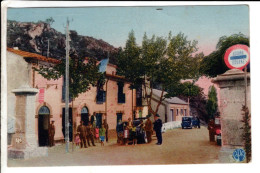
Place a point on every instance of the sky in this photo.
(206, 24)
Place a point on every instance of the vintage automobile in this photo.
(186, 122)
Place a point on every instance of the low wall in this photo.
(171, 125)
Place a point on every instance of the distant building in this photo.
(171, 109)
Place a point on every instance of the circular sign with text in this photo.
(237, 56)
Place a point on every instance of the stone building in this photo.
(172, 109)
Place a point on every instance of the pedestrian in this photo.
(211, 128)
(77, 140)
(148, 128)
(126, 134)
(129, 122)
(158, 129)
(93, 119)
(133, 134)
(106, 127)
(97, 134)
(119, 131)
(198, 120)
(82, 134)
(51, 133)
(102, 132)
(90, 134)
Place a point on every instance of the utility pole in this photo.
(67, 89)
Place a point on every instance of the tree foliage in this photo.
(246, 132)
(213, 64)
(163, 61)
(212, 102)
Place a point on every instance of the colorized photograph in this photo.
(129, 85)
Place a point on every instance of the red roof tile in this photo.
(33, 55)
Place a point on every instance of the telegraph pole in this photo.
(67, 89)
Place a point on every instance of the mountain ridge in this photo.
(34, 37)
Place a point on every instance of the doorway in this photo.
(70, 123)
(99, 119)
(118, 117)
(43, 126)
(85, 116)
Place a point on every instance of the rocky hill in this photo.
(33, 37)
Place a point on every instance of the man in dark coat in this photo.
(158, 129)
(106, 127)
(148, 129)
(93, 119)
(90, 134)
(51, 133)
(82, 134)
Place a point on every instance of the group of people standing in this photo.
(128, 131)
(92, 133)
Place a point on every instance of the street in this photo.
(180, 146)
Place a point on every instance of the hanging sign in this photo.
(41, 95)
(237, 56)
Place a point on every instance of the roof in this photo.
(173, 100)
(33, 55)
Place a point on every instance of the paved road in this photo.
(180, 146)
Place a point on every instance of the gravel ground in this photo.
(180, 146)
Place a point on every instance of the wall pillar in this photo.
(24, 142)
(232, 97)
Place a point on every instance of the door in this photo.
(85, 116)
(172, 114)
(70, 123)
(118, 117)
(99, 119)
(43, 126)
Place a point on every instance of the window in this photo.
(101, 96)
(185, 112)
(177, 111)
(181, 111)
(140, 114)
(120, 94)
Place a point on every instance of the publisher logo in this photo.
(239, 155)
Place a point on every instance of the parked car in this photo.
(195, 122)
(186, 122)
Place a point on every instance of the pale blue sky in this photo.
(112, 24)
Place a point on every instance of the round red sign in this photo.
(237, 56)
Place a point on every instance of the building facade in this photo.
(115, 102)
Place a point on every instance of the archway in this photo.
(85, 115)
(43, 126)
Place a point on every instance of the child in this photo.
(97, 133)
(126, 134)
(134, 136)
(77, 140)
(102, 132)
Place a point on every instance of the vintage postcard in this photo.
(126, 85)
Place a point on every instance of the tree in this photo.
(246, 132)
(83, 73)
(212, 102)
(49, 20)
(197, 103)
(213, 64)
(158, 61)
